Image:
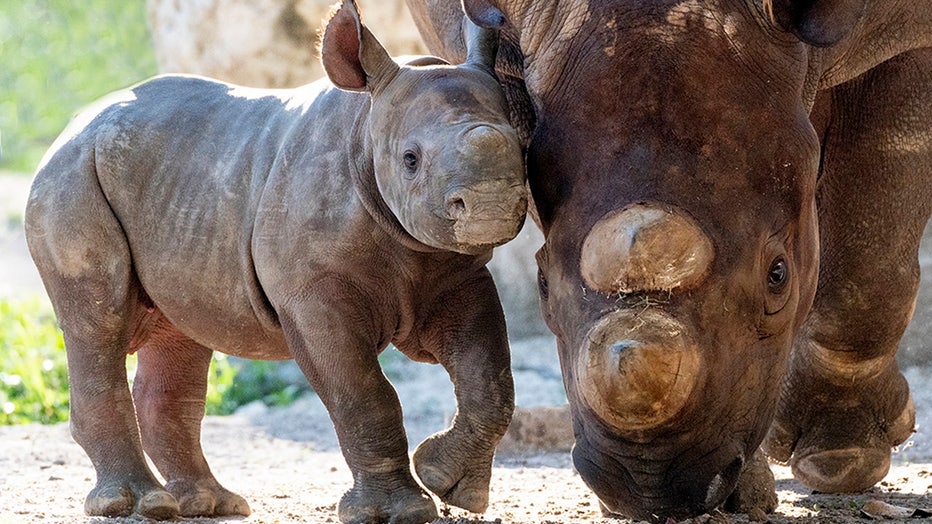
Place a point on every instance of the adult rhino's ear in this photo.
(352, 57)
(484, 14)
(821, 23)
(481, 45)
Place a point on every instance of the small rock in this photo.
(539, 429)
(878, 509)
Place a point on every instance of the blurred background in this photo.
(58, 55)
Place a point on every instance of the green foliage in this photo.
(57, 56)
(33, 374)
(255, 380)
(394, 364)
(219, 384)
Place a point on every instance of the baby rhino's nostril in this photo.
(456, 206)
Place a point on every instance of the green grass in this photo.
(57, 56)
(34, 374)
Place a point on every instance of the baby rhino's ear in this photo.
(353, 59)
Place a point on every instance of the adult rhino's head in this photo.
(673, 166)
(447, 163)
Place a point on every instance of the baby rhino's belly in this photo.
(221, 310)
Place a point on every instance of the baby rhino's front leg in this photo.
(467, 335)
(332, 337)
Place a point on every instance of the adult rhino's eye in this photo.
(778, 275)
(411, 161)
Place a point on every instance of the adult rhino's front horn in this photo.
(645, 248)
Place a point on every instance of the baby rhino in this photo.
(185, 216)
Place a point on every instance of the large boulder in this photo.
(514, 269)
(262, 43)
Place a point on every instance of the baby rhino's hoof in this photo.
(116, 500)
(207, 499)
(462, 483)
(376, 506)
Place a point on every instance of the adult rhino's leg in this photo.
(169, 390)
(467, 336)
(83, 258)
(335, 338)
(756, 491)
(844, 402)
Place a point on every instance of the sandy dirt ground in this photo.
(287, 464)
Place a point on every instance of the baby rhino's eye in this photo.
(411, 161)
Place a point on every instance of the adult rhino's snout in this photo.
(637, 368)
(488, 198)
(645, 247)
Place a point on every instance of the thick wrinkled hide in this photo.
(732, 194)
(184, 216)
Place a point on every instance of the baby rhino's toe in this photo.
(117, 499)
(207, 498)
(461, 481)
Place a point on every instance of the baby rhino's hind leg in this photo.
(83, 256)
(169, 390)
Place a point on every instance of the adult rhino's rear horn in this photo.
(637, 369)
(645, 247)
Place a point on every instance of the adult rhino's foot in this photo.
(379, 500)
(207, 498)
(838, 420)
(458, 477)
(756, 491)
(118, 499)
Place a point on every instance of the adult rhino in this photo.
(732, 194)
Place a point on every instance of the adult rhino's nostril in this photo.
(723, 484)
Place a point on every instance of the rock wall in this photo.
(262, 43)
(514, 269)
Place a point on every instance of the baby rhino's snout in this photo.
(488, 198)
(488, 213)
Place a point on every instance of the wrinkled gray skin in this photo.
(185, 216)
(732, 194)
